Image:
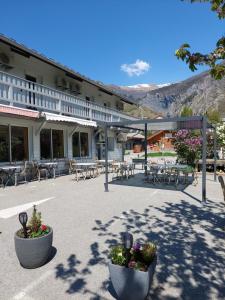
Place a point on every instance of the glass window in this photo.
(110, 143)
(51, 148)
(4, 143)
(19, 143)
(80, 144)
(76, 145)
(57, 143)
(45, 143)
(84, 144)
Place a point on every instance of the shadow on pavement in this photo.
(190, 241)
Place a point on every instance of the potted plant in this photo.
(132, 268)
(33, 243)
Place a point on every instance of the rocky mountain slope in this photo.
(199, 92)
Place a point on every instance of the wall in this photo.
(34, 137)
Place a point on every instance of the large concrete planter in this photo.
(130, 284)
(33, 253)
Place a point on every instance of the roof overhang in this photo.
(60, 118)
(175, 123)
(18, 112)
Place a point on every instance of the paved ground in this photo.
(86, 221)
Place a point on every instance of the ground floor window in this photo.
(13, 143)
(80, 144)
(51, 144)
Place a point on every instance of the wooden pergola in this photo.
(176, 123)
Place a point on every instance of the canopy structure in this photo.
(176, 123)
(17, 111)
(60, 118)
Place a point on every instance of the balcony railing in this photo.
(16, 90)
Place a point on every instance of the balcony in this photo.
(20, 92)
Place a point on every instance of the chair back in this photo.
(221, 181)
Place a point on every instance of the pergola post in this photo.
(106, 160)
(204, 146)
(146, 149)
(214, 151)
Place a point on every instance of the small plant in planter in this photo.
(132, 268)
(33, 243)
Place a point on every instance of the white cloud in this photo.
(136, 69)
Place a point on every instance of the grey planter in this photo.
(131, 284)
(33, 253)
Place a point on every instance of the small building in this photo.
(161, 141)
(135, 142)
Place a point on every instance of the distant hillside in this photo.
(199, 92)
(139, 112)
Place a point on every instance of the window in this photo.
(45, 142)
(51, 144)
(57, 144)
(16, 148)
(80, 144)
(19, 143)
(84, 144)
(76, 145)
(110, 143)
(4, 143)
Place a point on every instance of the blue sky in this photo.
(102, 38)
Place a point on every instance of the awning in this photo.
(17, 111)
(61, 118)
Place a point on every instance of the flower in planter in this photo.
(139, 257)
(44, 227)
(136, 246)
(35, 227)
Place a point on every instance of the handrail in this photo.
(54, 100)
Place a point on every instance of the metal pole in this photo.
(106, 160)
(214, 151)
(204, 146)
(146, 153)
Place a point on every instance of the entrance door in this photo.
(31, 86)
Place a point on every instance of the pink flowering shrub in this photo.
(188, 146)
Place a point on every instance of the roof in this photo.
(135, 135)
(155, 134)
(34, 53)
(11, 110)
(60, 118)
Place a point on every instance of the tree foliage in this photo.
(215, 58)
(213, 116)
(186, 112)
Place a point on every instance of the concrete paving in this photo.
(87, 221)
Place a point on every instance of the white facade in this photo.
(35, 83)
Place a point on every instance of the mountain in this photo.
(200, 92)
(135, 92)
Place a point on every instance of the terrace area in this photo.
(86, 221)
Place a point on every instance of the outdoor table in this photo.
(49, 166)
(10, 172)
(85, 166)
(102, 161)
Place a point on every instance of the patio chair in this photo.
(221, 181)
(153, 174)
(42, 170)
(172, 175)
(71, 166)
(93, 170)
(26, 173)
(2, 177)
(79, 172)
